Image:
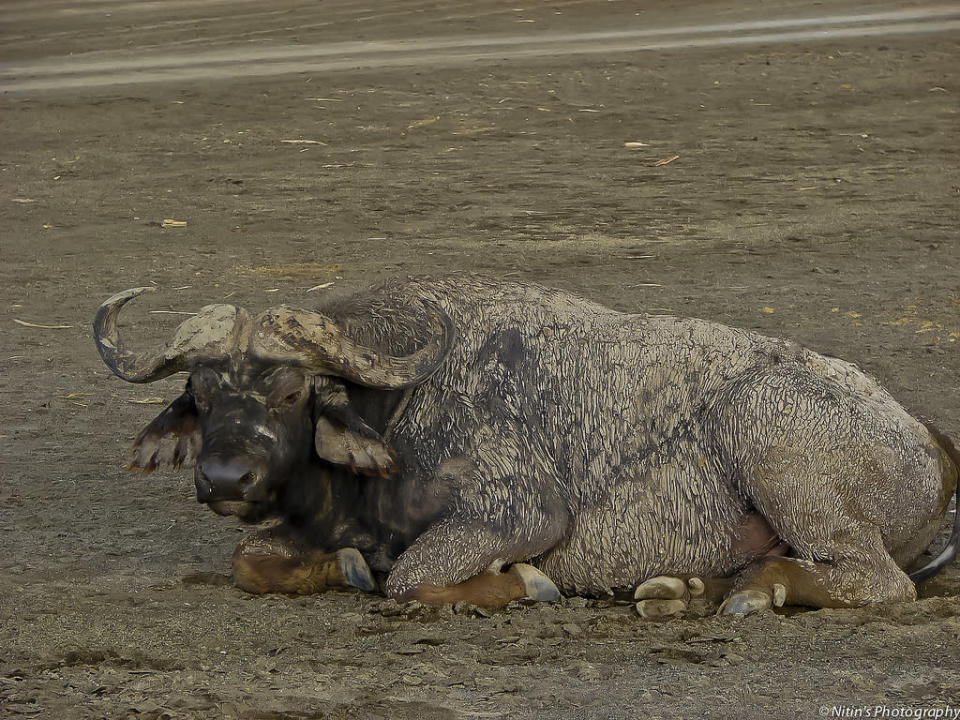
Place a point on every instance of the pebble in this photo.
(588, 673)
(23, 709)
(409, 651)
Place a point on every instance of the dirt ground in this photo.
(802, 186)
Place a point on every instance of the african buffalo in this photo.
(476, 439)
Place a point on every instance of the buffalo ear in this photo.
(342, 437)
(365, 453)
(172, 438)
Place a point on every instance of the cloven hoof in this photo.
(355, 570)
(746, 602)
(537, 585)
(666, 596)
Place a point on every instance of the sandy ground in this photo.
(800, 179)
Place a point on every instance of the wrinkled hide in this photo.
(636, 435)
(460, 424)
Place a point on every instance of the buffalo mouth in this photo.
(247, 510)
(251, 506)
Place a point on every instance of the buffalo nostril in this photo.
(219, 479)
(229, 471)
(204, 488)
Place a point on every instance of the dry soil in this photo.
(803, 184)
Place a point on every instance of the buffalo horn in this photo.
(214, 332)
(313, 340)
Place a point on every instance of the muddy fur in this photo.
(615, 447)
(114, 598)
(605, 448)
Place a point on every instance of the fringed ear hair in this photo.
(342, 437)
(172, 438)
(337, 444)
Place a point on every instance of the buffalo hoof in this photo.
(537, 585)
(355, 570)
(665, 596)
(746, 602)
(656, 609)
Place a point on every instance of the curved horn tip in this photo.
(129, 366)
(126, 295)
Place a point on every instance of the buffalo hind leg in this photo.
(779, 581)
(835, 477)
(276, 561)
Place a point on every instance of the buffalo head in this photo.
(266, 397)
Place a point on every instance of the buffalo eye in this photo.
(282, 398)
(293, 397)
(283, 387)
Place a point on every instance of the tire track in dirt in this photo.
(244, 61)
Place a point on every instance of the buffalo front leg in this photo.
(492, 588)
(453, 563)
(278, 561)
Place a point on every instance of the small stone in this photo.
(390, 608)
(572, 629)
(588, 673)
(146, 707)
(465, 608)
(23, 709)
(409, 651)
(431, 641)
